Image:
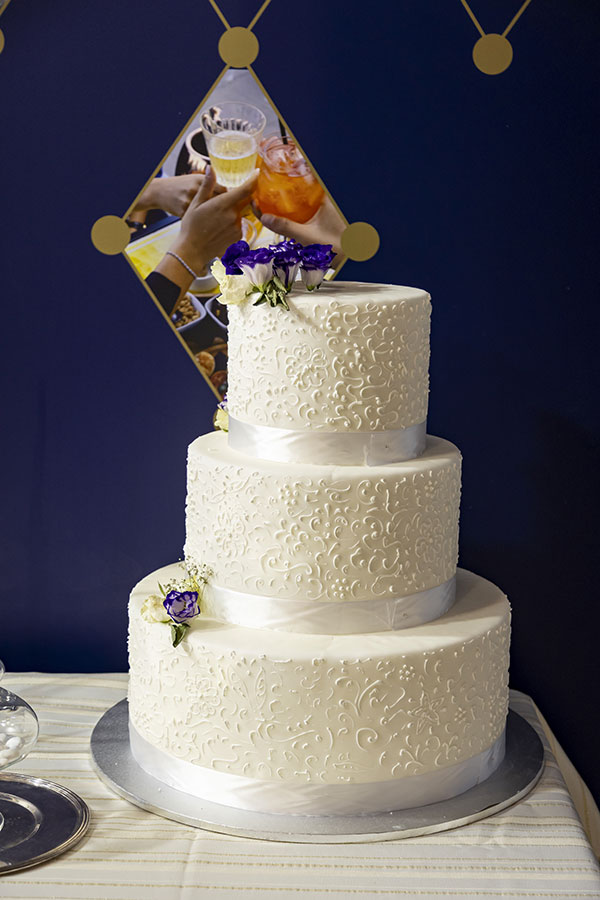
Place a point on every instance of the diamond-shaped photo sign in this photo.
(235, 173)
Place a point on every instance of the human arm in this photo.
(209, 225)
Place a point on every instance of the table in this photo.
(538, 848)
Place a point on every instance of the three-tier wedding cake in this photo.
(340, 664)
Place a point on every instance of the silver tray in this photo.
(40, 820)
(515, 777)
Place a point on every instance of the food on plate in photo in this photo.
(206, 361)
(219, 381)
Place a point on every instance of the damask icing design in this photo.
(269, 531)
(306, 368)
(322, 721)
(337, 363)
(428, 711)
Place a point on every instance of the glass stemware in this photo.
(18, 729)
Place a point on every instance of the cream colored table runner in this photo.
(538, 848)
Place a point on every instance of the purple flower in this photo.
(286, 259)
(287, 250)
(317, 256)
(182, 605)
(230, 257)
(315, 261)
(257, 266)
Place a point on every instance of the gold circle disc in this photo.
(492, 54)
(360, 241)
(1, 40)
(110, 235)
(238, 47)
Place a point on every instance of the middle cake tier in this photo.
(330, 549)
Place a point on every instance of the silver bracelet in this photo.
(183, 263)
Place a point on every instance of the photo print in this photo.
(239, 154)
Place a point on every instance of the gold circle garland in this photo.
(360, 241)
(110, 235)
(493, 53)
(238, 47)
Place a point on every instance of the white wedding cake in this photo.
(340, 664)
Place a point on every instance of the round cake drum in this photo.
(514, 778)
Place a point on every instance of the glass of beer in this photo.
(286, 185)
(232, 132)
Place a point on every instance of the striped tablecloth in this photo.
(538, 848)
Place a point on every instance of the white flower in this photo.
(153, 610)
(287, 274)
(221, 420)
(218, 271)
(259, 273)
(312, 278)
(234, 288)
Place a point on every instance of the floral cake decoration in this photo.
(268, 274)
(221, 416)
(179, 601)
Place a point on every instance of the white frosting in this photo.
(326, 533)
(321, 709)
(348, 357)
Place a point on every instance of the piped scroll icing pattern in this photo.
(332, 363)
(321, 721)
(267, 530)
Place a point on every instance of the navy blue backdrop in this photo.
(483, 190)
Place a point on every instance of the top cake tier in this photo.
(341, 377)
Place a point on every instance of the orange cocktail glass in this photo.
(286, 186)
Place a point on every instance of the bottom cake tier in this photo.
(318, 724)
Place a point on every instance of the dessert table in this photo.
(541, 847)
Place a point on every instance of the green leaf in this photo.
(161, 589)
(274, 294)
(280, 299)
(178, 630)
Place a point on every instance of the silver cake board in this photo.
(513, 779)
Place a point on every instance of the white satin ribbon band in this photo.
(336, 448)
(315, 799)
(330, 617)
